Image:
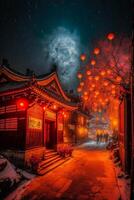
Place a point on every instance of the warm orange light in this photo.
(90, 78)
(91, 89)
(93, 62)
(110, 36)
(103, 73)
(96, 51)
(109, 71)
(83, 57)
(97, 78)
(118, 79)
(93, 85)
(82, 83)
(79, 75)
(44, 107)
(88, 72)
(97, 93)
(113, 86)
(106, 100)
(113, 91)
(54, 106)
(22, 103)
(85, 93)
(79, 89)
(105, 83)
(86, 98)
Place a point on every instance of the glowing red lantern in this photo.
(83, 57)
(110, 36)
(90, 78)
(103, 73)
(22, 103)
(93, 62)
(96, 51)
(97, 78)
(118, 79)
(105, 83)
(88, 72)
(54, 107)
(79, 75)
(82, 83)
(85, 93)
(79, 89)
(44, 108)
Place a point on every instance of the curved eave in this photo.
(12, 75)
(14, 91)
(38, 92)
(50, 98)
(45, 81)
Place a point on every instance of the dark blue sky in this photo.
(25, 23)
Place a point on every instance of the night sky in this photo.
(31, 28)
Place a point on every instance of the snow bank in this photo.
(8, 171)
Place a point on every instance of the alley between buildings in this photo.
(89, 174)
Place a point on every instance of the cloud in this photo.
(62, 48)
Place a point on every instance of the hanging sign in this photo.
(35, 123)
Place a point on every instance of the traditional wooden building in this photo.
(32, 112)
(125, 138)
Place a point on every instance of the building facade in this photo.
(35, 114)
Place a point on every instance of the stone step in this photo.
(49, 160)
(47, 155)
(49, 150)
(45, 165)
(53, 166)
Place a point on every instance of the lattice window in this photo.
(2, 109)
(8, 124)
(10, 108)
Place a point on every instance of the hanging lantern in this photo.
(105, 83)
(91, 89)
(113, 91)
(109, 71)
(106, 100)
(113, 86)
(81, 83)
(85, 93)
(83, 57)
(85, 98)
(79, 89)
(97, 78)
(110, 36)
(103, 73)
(88, 72)
(79, 75)
(90, 78)
(93, 85)
(93, 62)
(22, 103)
(118, 79)
(96, 51)
(96, 93)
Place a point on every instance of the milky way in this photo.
(62, 48)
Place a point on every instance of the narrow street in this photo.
(88, 175)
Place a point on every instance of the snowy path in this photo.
(88, 175)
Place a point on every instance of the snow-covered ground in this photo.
(12, 177)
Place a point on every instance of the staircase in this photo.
(52, 160)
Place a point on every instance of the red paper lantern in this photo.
(83, 57)
(22, 103)
(79, 75)
(110, 36)
(96, 51)
(88, 72)
(93, 62)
